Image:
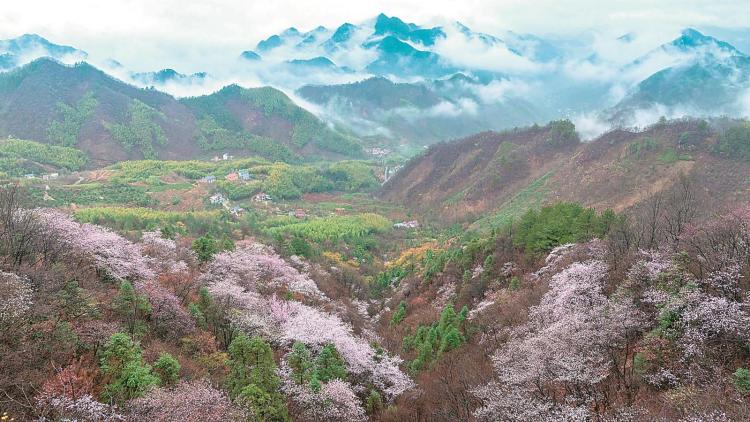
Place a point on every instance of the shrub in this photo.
(167, 368)
(742, 380)
(399, 314)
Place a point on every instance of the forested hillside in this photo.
(82, 107)
(496, 176)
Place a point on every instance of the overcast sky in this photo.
(150, 34)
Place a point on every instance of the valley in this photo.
(378, 221)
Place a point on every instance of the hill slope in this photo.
(81, 106)
(501, 175)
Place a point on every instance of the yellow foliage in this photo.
(411, 256)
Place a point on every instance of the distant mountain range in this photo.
(393, 81)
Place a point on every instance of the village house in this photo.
(261, 197)
(300, 213)
(232, 177)
(217, 199)
(208, 179)
(244, 174)
(413, 224)
(236, 211)
(50, 176)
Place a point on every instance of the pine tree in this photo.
(253, 381)
(301, 362)
(122, 362)
(167, 368)
(205, 248)
(133, 307)
(329, 365)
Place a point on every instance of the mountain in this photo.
(18, 51)
(397, 28)
(399, 58)
(421, 112)
(497, 176)
(81, 106)
(167, 75)
(250, 55)
(706, 77)
(457, 81)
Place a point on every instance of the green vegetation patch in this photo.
(143, 218)
(735, 142)
(90, 194)
(142, 130)
(213, 137)
(18, 157)
(328, 228)
(431, 341)
(65, 131)
(540, 231)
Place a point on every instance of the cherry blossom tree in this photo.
(193, 401)
(168, 257)
(239, 283)
(335, 401)
(15, 296)
(84, 408)
(97, 247)
(317, 328)
(570, 343)
(170, 317)
(258, 268)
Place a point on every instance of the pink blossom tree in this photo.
(193, 401)
(258, 268)
(172, 320)
(97, 247)
(168, 257)
(335, 401)
(15, 297)
(570, 343)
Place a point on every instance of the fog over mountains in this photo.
(395, 80)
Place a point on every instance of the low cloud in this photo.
(472, 51)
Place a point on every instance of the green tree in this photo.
(205, 248)
(301, 362)
(742, 380)
(399, 314)
(253, 380)
(329, 365)
(167, 368)
(251, 363)
(129, 377)
(132, 307)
